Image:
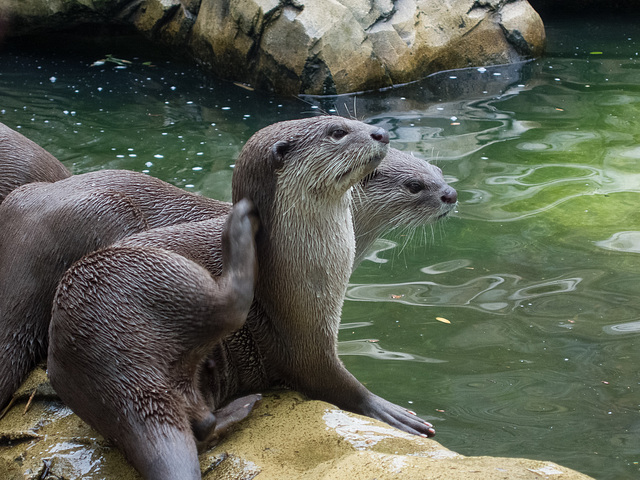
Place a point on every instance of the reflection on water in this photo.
(623, 328)
(369, 348)
(622, 242)
(538, 272)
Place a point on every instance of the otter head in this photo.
(301, 161)
(403, 192)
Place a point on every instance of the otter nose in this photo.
(449, 195)
(380, 135)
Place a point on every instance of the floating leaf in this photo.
(442, 319)
(395, 297)
(595, 53)
(244, 85)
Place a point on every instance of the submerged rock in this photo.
(284, 438)
(312, 47)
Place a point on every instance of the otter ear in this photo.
(278, 151)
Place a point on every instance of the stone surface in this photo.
(311, 47)
(284, 438)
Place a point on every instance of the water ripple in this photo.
(622, 242)
(370, 348)
(497, 293)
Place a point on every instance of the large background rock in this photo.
(312, 47)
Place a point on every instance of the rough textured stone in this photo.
(312, 47)
(284, 438)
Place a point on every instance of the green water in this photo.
(538, 272)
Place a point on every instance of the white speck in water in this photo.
(200, 153)
(172, 88)
(165, 133)
(119, 156)
(148, 164)
(189, 185)
(196, 169)
(496, 74)
(133, 155)
(145, 171)
(189, 102)
(229, 108)
(99, 89)
(454, 118)
(66, 112)
(52, 79)
(482, 69)
(452, 77)
(158, 155)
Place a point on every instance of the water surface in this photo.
(538, 272)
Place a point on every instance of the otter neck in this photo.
(305, 259)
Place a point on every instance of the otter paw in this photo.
(234, 412)
(399, 417)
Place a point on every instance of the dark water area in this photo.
(538, 272)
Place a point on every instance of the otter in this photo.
(48, 226)
(306, 249)
(130, 330)
(299, 175)
(403, 192)
(23, 161)
(68, 219)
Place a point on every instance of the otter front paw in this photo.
(398, 417)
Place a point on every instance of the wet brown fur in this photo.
(47, 227)
(282, 362)
(22, 161)
(75, 216)
(131, 327)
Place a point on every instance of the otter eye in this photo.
(414, 186)
(338, 133)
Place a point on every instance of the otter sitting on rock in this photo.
(22, 161)
(46, 227)
(299, 175)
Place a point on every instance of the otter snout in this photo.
(449, 195)
(380, 135)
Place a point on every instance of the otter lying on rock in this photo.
(22, 161)
(131, 327)
(63, 221)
